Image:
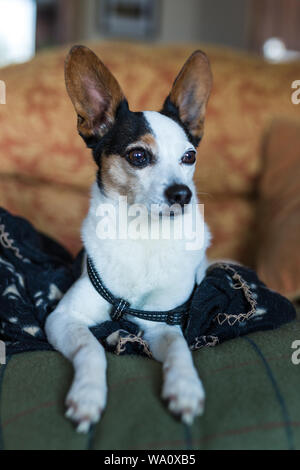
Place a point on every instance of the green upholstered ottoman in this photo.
(252, 387)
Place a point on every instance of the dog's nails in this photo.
(69, 413)
(83, 427)
(71, 404)
(187, 417)
(200, 409)
(173, 405)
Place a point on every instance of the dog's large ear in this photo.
(190, 93)
(94, 92)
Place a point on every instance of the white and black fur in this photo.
(150, 274)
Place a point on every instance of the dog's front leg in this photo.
(182, 387)
(67, 330)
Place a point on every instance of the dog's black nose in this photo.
(178, 194)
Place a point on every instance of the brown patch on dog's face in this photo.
(149, 142)
(119, 177)
(116, 178)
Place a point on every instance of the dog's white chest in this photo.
(151, 275)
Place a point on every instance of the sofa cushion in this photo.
(252, 390)
(232, 222)
(278, 257)
(56, 210)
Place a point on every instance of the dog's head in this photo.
(147, 156)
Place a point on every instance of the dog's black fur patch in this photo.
(171, 110)
(128, 128)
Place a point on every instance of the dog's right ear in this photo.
(94, 91)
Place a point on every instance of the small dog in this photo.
(149, 157)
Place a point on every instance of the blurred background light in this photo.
(17, 30)
(274, 49)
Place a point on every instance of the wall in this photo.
(224, 22)
(179, 20)
(216, 21)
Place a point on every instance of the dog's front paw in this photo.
(85, 403)
(185, 394)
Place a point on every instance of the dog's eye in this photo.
(189, 157)
(138, 157)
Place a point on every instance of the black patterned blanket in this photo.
(35, 272)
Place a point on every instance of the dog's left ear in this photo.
(190, 93)
(94, 91)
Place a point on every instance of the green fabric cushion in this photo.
(252, 402)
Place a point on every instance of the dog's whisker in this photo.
(201, 193)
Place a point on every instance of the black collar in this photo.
(121, 307)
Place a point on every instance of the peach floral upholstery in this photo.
(278, 254)
(45, 170)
